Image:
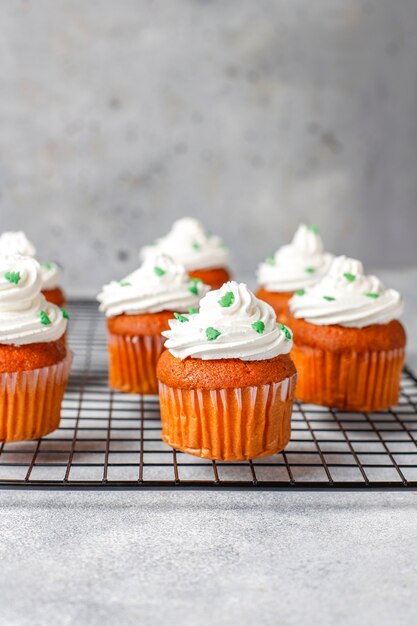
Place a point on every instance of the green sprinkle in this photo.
(258, 326)
(372, 295)
(44, 318)
(329, 298)
(270, 260)
(192, 310)
(286, 332)
(227, 300)
(12, 277)
(314, 229)
(310, 270)
(47, 266)
(193, 289)
(196, 280)
(65, 313)
(196, 246)
(181, 318)
(349, 277)
(212, 333)
(159, 271)
(125, 283)
(300, 292)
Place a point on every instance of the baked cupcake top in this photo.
(299, 264)
(347, 297)
(191, 246)
(159, 284)
(25, 316)
(16, 242)
(231, 324)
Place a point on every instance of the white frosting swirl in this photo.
(16, 242)
(51, 276)
(242, 328)
(158, 285)
(299, 264)
(191, 246)
(348, 298)
(25, 316)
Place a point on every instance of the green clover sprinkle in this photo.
(159, 271)
(329, 298)
(300, 292)
(125, 283)
(47, 266)
(181, 318)
(286, 332)
(270, 260)
(212, 333)
(310, 270)
(192, 310)
(349, 277)
(196, 246)
(44, 318)
(227, 300)
(193, 289)
(12, 277)
(314, 229)
(372, 295)
(65, 313)
(258, 326)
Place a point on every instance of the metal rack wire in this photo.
(112, 441)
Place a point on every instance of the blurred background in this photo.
(119, 117)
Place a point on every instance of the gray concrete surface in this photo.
(191, 558)
(118, 118)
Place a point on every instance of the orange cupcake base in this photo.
(30, 401)
(212, 277)
(56, 296)
(278, 300)
(354, 381)
(133, 362)
(228, 424)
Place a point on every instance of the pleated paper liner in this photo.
(133, 362)
(228, 424)
(30, 401)
(354, 381)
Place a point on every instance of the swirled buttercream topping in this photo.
(159, 284)
(231, 324)
(191, 246)
(51, 275)
(299, 264)
(347, 297)
(16, 242)
(25, 316)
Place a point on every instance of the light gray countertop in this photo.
(212, 558)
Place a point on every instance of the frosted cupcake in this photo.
(348, 343)
(138, 309)
(226, 379)
(203, 255)
(298, 265)
(34, 361)
(18, 243)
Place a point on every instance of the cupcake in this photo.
(203, 255)
(138, 309)
(293, 267)
(18, 243)
(348, 342)
(226, 381)
(34, 361)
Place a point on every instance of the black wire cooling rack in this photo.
(109, 440)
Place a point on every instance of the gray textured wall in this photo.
(117, 117)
